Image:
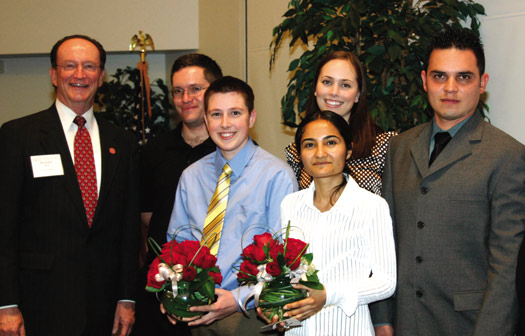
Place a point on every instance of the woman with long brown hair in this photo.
(340, 86)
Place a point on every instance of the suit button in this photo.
(420, 224)
(419, 293)
(424, 190)
(419, 259)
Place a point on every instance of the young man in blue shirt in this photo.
(258, 183)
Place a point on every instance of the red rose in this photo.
(174, 258)
(153, 270)
(209, 261)
(295, 249)
(217, 277)
(200, 259)
(275, 250)
(188, 248)
(273, 268)
(264, 239)
(189, 273)
(169, 246)
(254, 252)
(247, 268)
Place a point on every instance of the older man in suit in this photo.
(69, 220)
(455, 187)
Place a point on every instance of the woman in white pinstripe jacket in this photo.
(349, 231)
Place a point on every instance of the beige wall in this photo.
(268, 86)
(502, 33)
(32, 26)
(222, 34)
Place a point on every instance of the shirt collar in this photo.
(346, 197)
(452, 131)
(67, 116)
(238, 162)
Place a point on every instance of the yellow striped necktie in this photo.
(216, 210)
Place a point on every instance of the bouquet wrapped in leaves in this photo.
(273, 265)
(183, 275)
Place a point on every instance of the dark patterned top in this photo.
(367, 172)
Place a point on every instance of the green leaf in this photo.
(322, 50)
(293, 65)
(479, 8)
(290, 12)
(312, 282)
(376, 50)
(309, 257)
(280, 260)
(156, 290)
(395, 52)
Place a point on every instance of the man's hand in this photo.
(384, 330)
(173, 319)
(224, 306)
(305, 308)
(124, 318)
(11, 322)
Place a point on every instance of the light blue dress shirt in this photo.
(259, 183)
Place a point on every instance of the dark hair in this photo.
(342, 127)
(459, 38)
(362, 127)
(212, 71)
(228, 84)
(101, 51)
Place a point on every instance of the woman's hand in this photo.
(274, 319)
(305, 308)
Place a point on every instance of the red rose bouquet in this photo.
(273, 265)
(184, 275)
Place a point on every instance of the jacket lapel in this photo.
(419, 149)
(54, 141)
(110, 154)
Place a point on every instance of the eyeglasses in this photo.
(192, 91)
(87, 67)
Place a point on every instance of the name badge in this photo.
(47, 165)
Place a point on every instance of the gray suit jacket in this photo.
(459, 225)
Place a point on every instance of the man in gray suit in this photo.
(459, 214)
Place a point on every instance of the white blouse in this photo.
(353, 248)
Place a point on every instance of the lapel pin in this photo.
(112, 150)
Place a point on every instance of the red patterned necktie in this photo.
(85, 168)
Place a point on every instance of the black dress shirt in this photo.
(163, 160)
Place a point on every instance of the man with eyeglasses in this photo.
(69, 218)
(163, 160)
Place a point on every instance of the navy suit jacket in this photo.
(65, 277)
